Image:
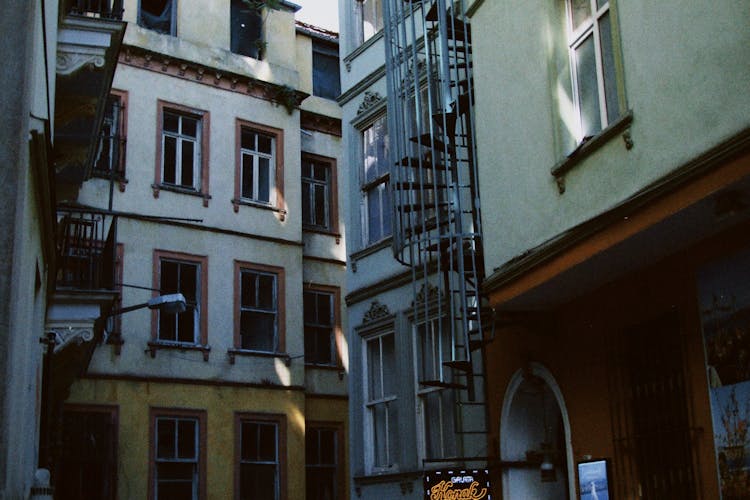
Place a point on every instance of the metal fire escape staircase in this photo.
(437, 220)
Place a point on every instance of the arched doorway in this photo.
(535, 435)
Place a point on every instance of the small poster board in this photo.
(447, 484)
(593, 479)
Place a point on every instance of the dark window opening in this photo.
(246, 30)
(108, 159)
(326, 80)
(158, 15)
(321, 451)
(319, 340)
(316, 194)
(259, 460)
(180, 277)
(258, 311)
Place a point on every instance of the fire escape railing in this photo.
(434, 181)
(105, 9)
(86, 249)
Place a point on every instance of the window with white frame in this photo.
(258, 166)
(320, 348)
(181, 150)
(592, 62)
(321, 462)
(370, 13)
(381, 413)
(435, 405)
(259, 460)
(375, 179)
(176, 276)
(158, 15)
(176, 458)
(258, 314)
(316, 194)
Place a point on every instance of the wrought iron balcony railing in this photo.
(105, 9)
(86, 249)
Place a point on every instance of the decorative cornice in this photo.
(282, 95)
(70, 62)
(370, 100)
(65, 336)
(320, 123)
(376, 311)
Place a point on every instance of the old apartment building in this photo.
(577, 172)
(217, 177)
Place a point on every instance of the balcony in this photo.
(86, 250)
(105, 9)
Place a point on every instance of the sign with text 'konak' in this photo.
(452, 484)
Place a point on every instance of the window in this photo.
(246, 30)
(436, 406)
(260, 472)
(185, 274)
(158, 15)
(110, 156)
(259, 177)
(259, 299)
(318, 193)
(319, 314)
(375, 189)
(381, 415)
(326, 81)
(181, 150)
(178, 442)
(87, 466)
(321, 462)
(371, 17)
(592, 62)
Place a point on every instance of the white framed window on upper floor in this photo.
(259, 172)
(158, 15)
(182, 150)
(435, 405)
(246, 28)
(186, 274)
(377, 210)
(369, 17)
(259, 308)
(380, 403)
(593, 66)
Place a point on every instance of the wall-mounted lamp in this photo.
(173, 303)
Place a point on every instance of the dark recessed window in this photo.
(326, 82)
(158, 15)
(246, 30)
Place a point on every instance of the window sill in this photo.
(369, 250)
(587, 147)
(156, 188)
(155, 346)
(325, 232)
(232, 353)
(256, 204)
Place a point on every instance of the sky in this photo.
(321, 13)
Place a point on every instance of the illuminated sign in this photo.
(457, 485)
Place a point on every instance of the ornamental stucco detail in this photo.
(370, 100)
(376, 311)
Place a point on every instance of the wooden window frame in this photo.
(338, 427)
(201, 417)
(121, 138)
(332, 201)
(202, 262)
(114, 412)
(239, 267)
(339, 342)
(280, 420)
(203, 142)
(367, 187)
(277, 199)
